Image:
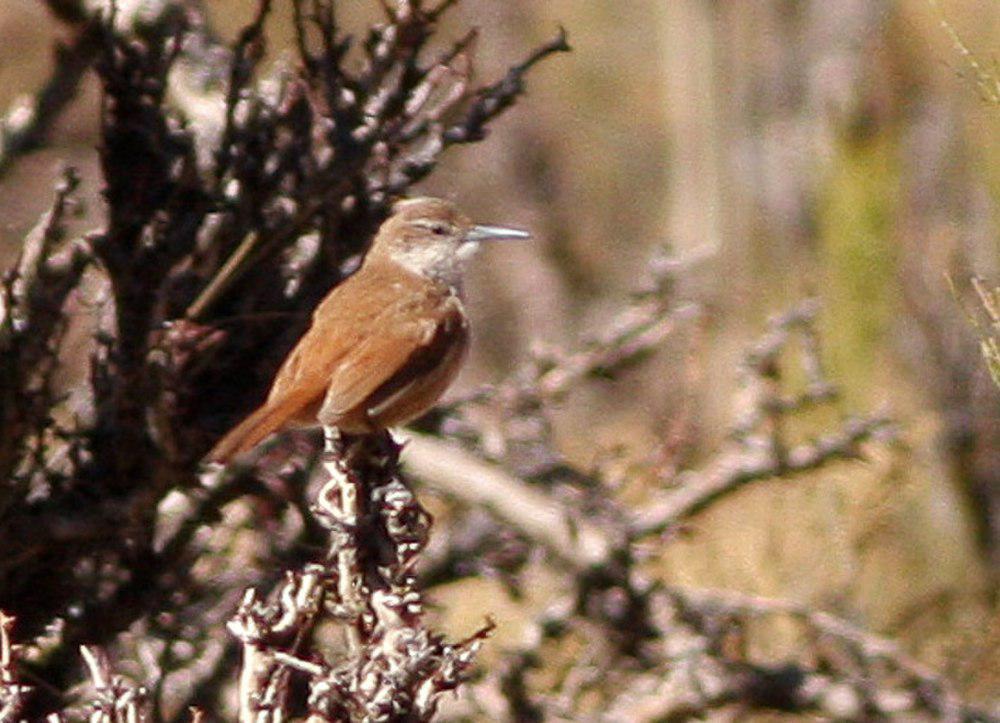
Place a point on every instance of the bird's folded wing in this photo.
(388, 366)
(422, 379)
(356, 345)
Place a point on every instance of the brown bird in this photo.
(385, 344)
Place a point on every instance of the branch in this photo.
(26, 125)
(29, 295)
(733, 470)
(269, 635)
(542, 519)
(393, 666)
(12, 693)
(494, 99)
(759, 449)
(32, 298)
(116, 700)
(927, 691)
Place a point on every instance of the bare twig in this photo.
(265, 631)
(12, 693)
(116, 700)
(225, 277)
(26, 125)
(20, 307)
(697, 489)
(494, 99)
(32, 298)
(460, 474)
(927, 690)
(986, 82)
(989, 331)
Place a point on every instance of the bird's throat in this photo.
(438, 263)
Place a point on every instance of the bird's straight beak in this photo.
(496, 233)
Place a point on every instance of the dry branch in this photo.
(115, 699)
(457, 473)
(27, 123)
(391, 667)
(12, 692)
(697, 489)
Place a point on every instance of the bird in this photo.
(384, 344)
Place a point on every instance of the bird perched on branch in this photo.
(386, 343)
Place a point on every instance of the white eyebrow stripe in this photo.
(428, 224)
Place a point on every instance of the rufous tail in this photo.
(252, 431)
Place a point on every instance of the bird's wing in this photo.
(360, 342)
(340, 323)
(396, 376)
(424, 377)
(406, 356)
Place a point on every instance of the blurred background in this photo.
(846, 150)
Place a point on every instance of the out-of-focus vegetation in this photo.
(989, 327)
(836, 149)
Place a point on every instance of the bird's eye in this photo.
(439, 229)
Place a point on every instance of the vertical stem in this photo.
(339, 499)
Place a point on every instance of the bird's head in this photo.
(431, 237)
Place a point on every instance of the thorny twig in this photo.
(21, 303)
(12, 692)
(989, 341)
(267, 632)
(392, 667)
(986, 321)
(116, 700)
(984, 79)
(33, 295)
